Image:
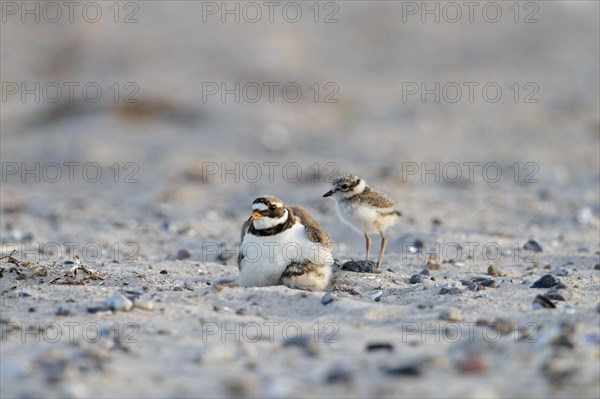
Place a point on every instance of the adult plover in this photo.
(364, 209)
(284, 245)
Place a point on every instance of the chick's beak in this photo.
(328, 193)
(256, 215)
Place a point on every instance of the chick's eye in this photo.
(272, 207)
(344, 186)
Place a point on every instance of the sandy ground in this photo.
(173, 176)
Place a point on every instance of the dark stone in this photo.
(470, 285)
(302, 341)
(409, 368)
(450, 291)
(548, 281)
(555, 296)
(164, 272)
(132, 295)
(183, 254)
(63, 312)
(224, 256)
(532, 245)
(96, 309)
(379, 346)
(327, 299)
(338, 375)
(360, 266)
(543, 302)
(416, 278)
(486, 282)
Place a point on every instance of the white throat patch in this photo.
(267, 222)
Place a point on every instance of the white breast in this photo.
(362, 217)
(265, 258)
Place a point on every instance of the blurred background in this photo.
(151, 102)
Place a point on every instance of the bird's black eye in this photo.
(272, 207)
(345, 186)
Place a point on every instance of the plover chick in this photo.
(364, 209)
(284, 245)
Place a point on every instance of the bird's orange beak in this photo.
(256, 215)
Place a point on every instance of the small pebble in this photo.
(494, 271)
(415, 247)
(63, 312)
(416, 278)
(376, 296)
(486, 282)
(425, 271)
(532, 245)
(119, 302)
(379, 346)
(327, 299)
(360, 266)
(164, 272)
(144, 305)
(597, 267)
(224, 256)
(96, 309)
(452, 315)
(433, 265)
(561, 272)
(547, 281)
(472, 365)
(541, 301)
(303, 341)
(217, 354)
(470, 285)
(455, 288)
(504, 326)
(408, 368)
(556, 295)
(183, 254)
(339, 374)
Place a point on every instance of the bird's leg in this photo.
(368, 245)
(383, 245)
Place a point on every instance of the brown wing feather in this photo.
(305, 217)
(376, 198)
(245, 228)
(314, 231)
(240, 257)
(318, 236)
